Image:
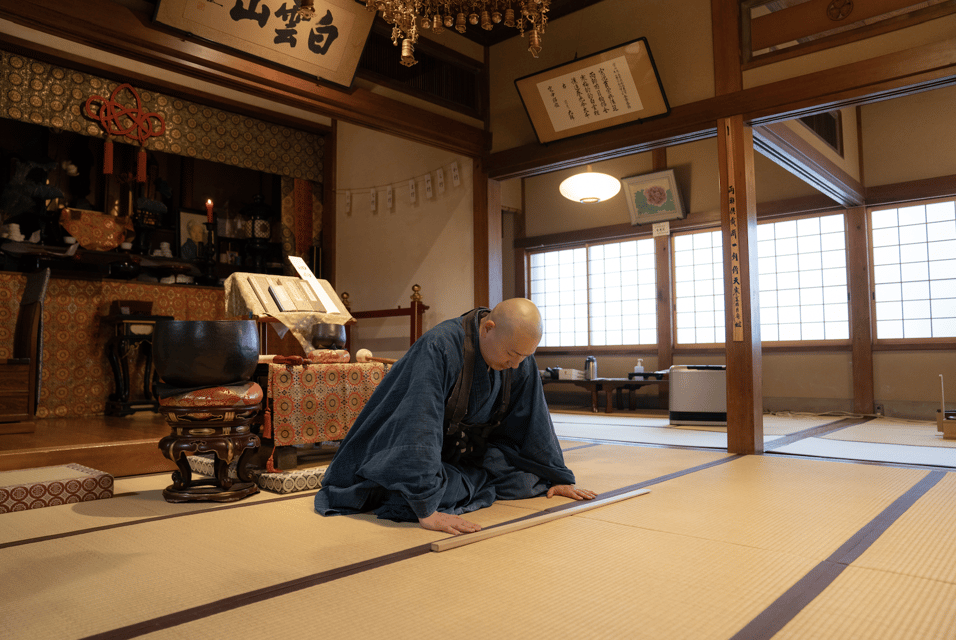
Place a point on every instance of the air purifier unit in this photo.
(698, 394)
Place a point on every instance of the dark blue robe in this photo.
(390, 460)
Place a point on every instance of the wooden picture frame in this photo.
(653, 197)
(610, 88)
(189, 242)
(328, 46)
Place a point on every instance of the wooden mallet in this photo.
(364, 355)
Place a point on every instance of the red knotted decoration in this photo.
(130, 122)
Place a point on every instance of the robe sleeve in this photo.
(526, 436)
(396, 442)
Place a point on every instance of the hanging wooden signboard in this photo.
(328, 46)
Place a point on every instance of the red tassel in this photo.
(267, 435)
(107, 157)
(141, 165)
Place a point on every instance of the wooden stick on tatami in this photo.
(478, 536)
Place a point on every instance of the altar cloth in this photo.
(316, 402)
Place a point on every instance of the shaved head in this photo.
(510, 333)
(518, 315)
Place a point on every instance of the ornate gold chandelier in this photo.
(407, 17)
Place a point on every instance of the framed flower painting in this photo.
(653, 197)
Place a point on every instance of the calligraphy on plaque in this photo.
(328, 46)
(610, 88)
(738, 317)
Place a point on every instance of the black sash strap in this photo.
(469, 441)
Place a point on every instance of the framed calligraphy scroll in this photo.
(610, 88)
(328, 46)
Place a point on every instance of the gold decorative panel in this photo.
(77, 379)
(52, 96)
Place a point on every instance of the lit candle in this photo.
(209, 211)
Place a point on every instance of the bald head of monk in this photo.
(510, 333)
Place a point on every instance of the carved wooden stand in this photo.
(223, 431)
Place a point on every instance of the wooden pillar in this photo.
(665, 321)
(327, 233)
(520, 255)
(487, 242)
(738, 221)
(725, 27)
(861, 325)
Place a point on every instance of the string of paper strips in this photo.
(430, 188)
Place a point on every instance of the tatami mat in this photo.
(573, 578)
(658, 431)
(871, 451)
(778, 425)
(804, 507)
(889, 431)
(922, 543)
(141, 498)
(718, 539)
(656, 435)
(698, 557)
(875, 605)
(163, 566)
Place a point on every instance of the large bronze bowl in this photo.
(205, 353)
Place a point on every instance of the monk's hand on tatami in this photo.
(448, 523)
(570, 491)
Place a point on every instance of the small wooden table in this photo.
(609, 385)
(130, 332)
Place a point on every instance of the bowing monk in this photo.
(459, 422)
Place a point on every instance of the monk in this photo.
(457, 423)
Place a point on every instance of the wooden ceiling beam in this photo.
(785, 147)
(113, 27)
(891, 75)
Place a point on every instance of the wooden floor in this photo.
(125, 446)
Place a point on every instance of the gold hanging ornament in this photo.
(408, 16)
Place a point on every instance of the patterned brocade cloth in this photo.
(319, 402)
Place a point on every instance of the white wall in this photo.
(910, 138)
(381, 254)
(678, 34)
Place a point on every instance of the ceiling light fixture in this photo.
(590, 187)
(407, 17)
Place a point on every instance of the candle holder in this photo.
(208, 257)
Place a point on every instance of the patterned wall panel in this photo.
(77, 379)
(53, 96)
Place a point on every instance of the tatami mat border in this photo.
(243, 599)
(250, 597)
(875, 463)
(647, 445)
(213, 506)
(583, 446)
(119, 525)
(788, 605)
(830, 427)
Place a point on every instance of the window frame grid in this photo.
(775, 345)
(695, 346)
(591, 348)
(918, 343)
(825, 342)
